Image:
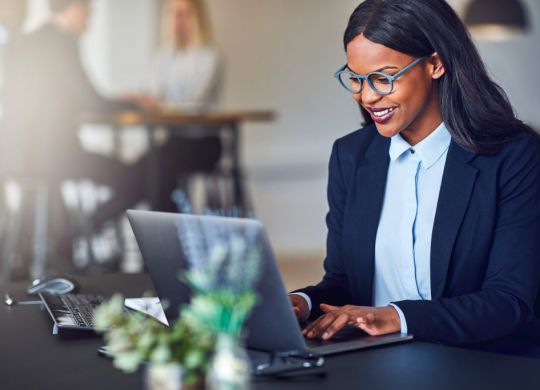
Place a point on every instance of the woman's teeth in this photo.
(383, 113)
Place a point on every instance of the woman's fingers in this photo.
(331, 322)
(336, 318)
(319, 326)
(326, 308)
(336, 326)
(308, 328)
(368, 319)
(368, 324)
(368, 329)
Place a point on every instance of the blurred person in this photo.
(184, 76)
(50, 92)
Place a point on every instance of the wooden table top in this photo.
(169, 118)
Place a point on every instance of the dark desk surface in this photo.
(33, 358)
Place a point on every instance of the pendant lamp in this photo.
(497, 20)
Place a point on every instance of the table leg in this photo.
(40, 231)
(13, 232)
(152, 171)
(240, 195)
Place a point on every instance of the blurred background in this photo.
(267, 63)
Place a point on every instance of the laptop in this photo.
(169, 243)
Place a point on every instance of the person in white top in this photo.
(184, 76)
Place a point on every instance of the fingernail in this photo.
(311, 334)
(325, 335)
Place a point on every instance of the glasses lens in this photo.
(380, 83)
(350, 82)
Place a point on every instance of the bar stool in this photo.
(18, 194)
(37, 202)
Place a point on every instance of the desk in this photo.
(32, 358)
(228, 125)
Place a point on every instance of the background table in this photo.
(32, 358)
(221, 123)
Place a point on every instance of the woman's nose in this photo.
(367, 95)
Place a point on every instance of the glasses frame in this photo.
(361, 77)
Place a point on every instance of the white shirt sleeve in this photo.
(402, 320)
(305, 296)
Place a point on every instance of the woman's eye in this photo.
(383, 80)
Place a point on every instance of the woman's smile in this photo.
(381, 115)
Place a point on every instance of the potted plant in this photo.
(207, 339)
(172, 357)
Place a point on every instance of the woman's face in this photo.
(413, 105)
(183, 20)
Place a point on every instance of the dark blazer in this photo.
(485, 250)
(46, 93)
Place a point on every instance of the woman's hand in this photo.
(375, 321)
(142, 101)
(300, 307)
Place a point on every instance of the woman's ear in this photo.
(437, 67)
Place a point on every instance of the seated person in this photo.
(434, 206)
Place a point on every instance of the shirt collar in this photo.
(429, 150)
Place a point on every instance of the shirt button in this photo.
(412, 151)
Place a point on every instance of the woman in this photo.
(184, 76)
(434, 219)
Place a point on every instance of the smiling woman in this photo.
(434, 212)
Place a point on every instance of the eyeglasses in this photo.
(379, 82)
(283, 363)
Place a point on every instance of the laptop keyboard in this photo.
(72, 310)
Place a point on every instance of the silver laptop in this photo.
(168, 241)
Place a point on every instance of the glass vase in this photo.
(164, 377)
(230, 368)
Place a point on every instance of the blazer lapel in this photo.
(455, 193)
(370, 185)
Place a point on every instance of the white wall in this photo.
(121, 39)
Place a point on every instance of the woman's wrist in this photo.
(391, 318)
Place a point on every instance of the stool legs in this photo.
(40, 231)
(13, 231)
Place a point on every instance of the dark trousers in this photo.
(179, 158)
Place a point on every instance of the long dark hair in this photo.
(474, 108)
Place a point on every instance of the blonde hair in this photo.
(203, 32)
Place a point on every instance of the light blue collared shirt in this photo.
(403, 243)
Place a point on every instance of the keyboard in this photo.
(72, 311)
